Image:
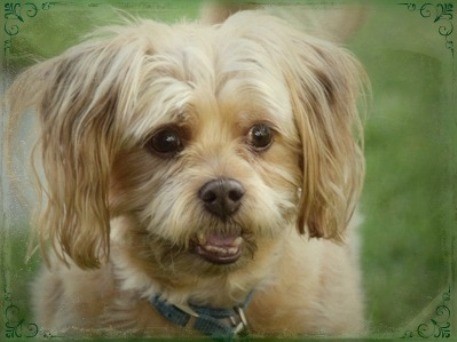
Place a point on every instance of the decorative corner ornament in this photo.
(439, 325)
(442, 13)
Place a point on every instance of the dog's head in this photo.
(214, 141)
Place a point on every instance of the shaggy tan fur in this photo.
(120, 219)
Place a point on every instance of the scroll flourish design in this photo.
(15, 14)
(442, 13)
(439, 325)
(16, 327)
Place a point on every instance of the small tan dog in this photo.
(198, 179)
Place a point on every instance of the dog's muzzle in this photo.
(221, 197)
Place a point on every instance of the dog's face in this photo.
(215, 163)
(213, 141)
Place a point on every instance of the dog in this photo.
(198, 180)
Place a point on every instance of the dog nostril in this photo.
(222, 196)
(235, 195)
(208, 196)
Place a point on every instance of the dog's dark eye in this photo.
(260, 137)
(166, 142)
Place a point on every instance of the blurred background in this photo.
(409, 200)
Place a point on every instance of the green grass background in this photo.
(409, 198)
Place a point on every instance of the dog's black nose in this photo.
(222, 196)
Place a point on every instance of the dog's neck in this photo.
(224, 291)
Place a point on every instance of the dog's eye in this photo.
(260, 137)
(166, 142)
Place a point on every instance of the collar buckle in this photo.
(240, 327)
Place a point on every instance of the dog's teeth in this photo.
(215, 249)
(232, 250)
(220, 250)
(201, 238)
(237, 242)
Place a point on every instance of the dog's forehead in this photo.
(205, 72)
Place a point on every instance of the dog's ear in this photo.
(80, 98)
(325, 81)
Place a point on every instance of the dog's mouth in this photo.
(218, 248)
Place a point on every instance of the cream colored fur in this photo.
(117, 221)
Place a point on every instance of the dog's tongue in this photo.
(220, 240)
(219, 248)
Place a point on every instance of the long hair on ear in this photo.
(80, 98)
(325, 88)
(325, 82)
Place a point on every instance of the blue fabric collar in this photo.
(214, 322)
